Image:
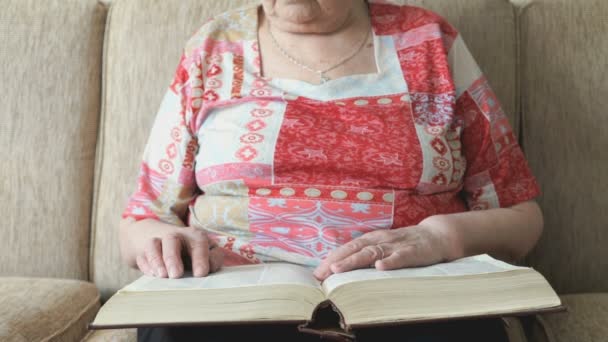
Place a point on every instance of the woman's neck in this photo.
(317, 48)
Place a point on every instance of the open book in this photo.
(469, 287)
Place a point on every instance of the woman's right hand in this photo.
(156, 248)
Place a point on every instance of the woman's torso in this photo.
(289, 170)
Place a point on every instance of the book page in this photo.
(478, 264)
(230, 277)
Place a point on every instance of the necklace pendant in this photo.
(324, 78)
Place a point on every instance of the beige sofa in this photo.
(81, 82)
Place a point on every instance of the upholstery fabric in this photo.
(585, 321)
(51, 59)
(45, 309)
(138, 70)
(111, 335)
(565, 137)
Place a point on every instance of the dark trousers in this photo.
(486, 330)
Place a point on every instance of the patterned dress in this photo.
(281, 169)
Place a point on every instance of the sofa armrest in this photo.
(49, 309)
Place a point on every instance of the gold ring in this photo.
(381, 251)
(381, 254)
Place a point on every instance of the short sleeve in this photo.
(166, 182)
(497, 173)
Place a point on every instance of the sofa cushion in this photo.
(143, 43)
(50, 64)
(111, 335)
(585, 321)
(36, 309)
(564, 48)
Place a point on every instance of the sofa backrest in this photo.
(564, 94)
(50, 70)
(143, 42)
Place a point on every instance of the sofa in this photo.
(81, 81)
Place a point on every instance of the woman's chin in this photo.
(301, 18)
(307, 27)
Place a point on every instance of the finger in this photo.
(401, 258)
(198, 247)
(172, 246)
(144, 266)
(323, 270)
(153, 252)
(362, 259)
(216, 259)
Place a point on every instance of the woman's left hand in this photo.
(412, 246)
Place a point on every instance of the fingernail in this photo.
(198, 272)
(172, 272)
(159, 272)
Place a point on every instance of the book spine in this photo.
(327, 321)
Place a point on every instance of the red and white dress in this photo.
(280, 169)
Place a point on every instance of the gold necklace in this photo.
(322, 73)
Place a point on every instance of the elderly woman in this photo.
(338, 134)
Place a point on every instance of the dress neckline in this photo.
(292, 82)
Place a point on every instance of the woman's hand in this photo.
(412, 246)
(156, 248)
(505, 233)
